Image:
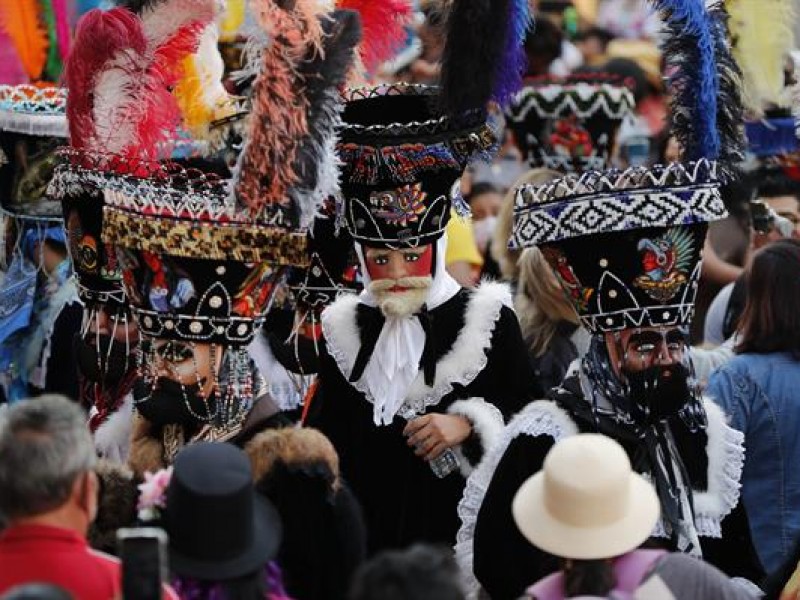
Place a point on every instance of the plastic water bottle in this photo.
(444, 464)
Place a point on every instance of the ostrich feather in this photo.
(124, 79)
(53, 64)
(763, 36)
(383, 28)
(232, 20)
(173, 29)
(11, 70)
(689, 50)
(61, 12)
(483, 56)
(19, 19)
(730, 105)
(316, 167)
(200, 93)
(512, 65)
(278, 121)
(99, 37)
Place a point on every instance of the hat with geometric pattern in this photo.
(624, 245)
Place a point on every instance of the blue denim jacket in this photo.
(761, 393)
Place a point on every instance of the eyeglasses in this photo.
(646, 343)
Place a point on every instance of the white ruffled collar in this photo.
(459, 366)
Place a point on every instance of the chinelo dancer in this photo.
(625, 247)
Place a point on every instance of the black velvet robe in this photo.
(403, 501)
(505, 563)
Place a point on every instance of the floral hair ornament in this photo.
(153, 494)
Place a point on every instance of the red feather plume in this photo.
(100, 35)
(383, 25)
(120, 74)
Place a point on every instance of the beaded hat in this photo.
(624, 245)
(569, 124)
(403, 160)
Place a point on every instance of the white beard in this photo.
(403, 304)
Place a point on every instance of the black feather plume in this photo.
(730, 105)
(475, 42)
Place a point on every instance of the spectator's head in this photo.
(606, 512)
(418, 573)
(540, 303)
(542, 47)
(506, 258)
(770, 321)
(782, 194)
(220, 530)
(593, 44)
(485, 201)
(46, 471)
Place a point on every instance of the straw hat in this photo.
(586, 503)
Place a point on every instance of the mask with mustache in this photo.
(170, 403)
(658, 392)
(106, 367)
(401, 303)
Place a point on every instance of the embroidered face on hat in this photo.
(625, 246)
(569, 124)
(403, 160)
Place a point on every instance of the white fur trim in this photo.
(725, 451)
(487, 422)
(460, 365)
(112, 439)
(541, 417)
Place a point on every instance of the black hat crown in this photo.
(219, 527)
(569, 124)
(624, 245)
(403, 159)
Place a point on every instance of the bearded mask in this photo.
(658, 392)
(401, 279)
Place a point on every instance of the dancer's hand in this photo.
(432, 434)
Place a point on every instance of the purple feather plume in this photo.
(513, 63)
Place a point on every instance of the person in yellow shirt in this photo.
(462, 259)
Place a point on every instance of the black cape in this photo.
(479, 354)
(505, 563)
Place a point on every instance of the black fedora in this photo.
(219, 527)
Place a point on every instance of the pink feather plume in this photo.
(383, 25)
(61, 12)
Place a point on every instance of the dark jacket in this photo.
(478, 360)
(505, 563)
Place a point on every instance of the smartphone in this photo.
(143, 551)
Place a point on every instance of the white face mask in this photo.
(483, 231)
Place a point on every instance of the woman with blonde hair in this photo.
(549, 324)
(506, 258)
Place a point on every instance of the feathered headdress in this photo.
(199, 91)
(484, 56)
(20, 20)
(383, 28)
(293, 108)
(730, 104)
(704, 80)
(763, 36)
(120, 71)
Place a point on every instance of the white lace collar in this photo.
(459, 366)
